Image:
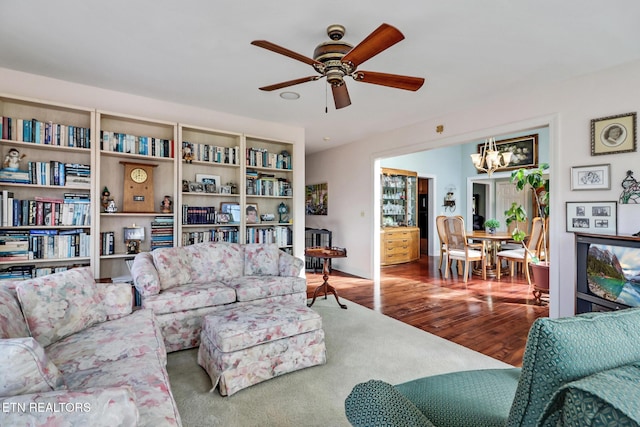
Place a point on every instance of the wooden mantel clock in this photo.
(138, 187)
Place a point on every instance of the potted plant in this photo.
(534, 180)
(491, 225)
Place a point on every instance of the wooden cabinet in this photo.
(400, 236)
(398, 245)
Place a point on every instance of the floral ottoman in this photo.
(247, 345)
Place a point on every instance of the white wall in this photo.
(58, 91)
(567, 110)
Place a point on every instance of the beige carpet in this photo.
(361, 345)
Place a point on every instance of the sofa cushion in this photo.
(12, 323)
(189, 297)
(453, 399)
(173, 265)
(106, 342)
(560, 351)
(25, 368)
(261, 260)
(605, 398)
(60, 304)
(215, 261)
(251, 288)
(145, 274)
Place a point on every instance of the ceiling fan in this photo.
(337, 59)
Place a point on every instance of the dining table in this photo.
(492, 247)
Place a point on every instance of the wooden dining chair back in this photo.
(522, 256)
(459, 248)
(443, 238)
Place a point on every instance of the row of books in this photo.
(204, 215)
(47, 133)
(107, 243)
(73, 210)
(280, 235)
(21, 245)
(267, 186)
(220, 234)
(132, 144)
(262, 158)
(210, 153)
(162, 232)
(29, 271)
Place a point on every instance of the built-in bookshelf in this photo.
(46, 186)
(150, 144)
(268, 188)
(210, 174)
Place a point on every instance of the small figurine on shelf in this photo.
(187, 154)
(111, 206)
(12, 159)
(166, 204)
(106, 194)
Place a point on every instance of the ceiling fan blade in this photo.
(341, 96)
(382, 38)
(284, 51)
(391, 80)
(290, 83)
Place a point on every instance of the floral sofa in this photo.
(72, 353)
(183, 284)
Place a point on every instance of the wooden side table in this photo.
(326, 254)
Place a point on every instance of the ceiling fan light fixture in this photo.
(289, 96)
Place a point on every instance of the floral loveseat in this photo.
(72, 353)
(183, 284)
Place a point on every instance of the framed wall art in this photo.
(316, 199)
(524, 151)
(592, 177)
(613, 134)
(592, 217)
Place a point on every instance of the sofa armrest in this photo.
(97, 407)
(145, 275)
(117, 299)
(377, 403)
(288, 265)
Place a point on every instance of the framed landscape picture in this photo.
(524, 151)
(613, 134)
(592, 217)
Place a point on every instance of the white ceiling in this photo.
(198, 52)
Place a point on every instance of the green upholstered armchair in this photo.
(579, 371)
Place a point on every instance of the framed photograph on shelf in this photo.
(133, 233)
(211, 182)
(592, 217)
(252, 213)
(524, 151)
(196, 187)
(223, 218)
(233, 209)
(592, 177)
(613, 134)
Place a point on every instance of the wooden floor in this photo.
(492, 317)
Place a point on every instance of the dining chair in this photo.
(459, 248)
(443, 238)
(521, 255)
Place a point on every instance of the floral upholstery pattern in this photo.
(12, 323)
(248, 326)
(173, 265)
(247, 345)
(133, 336)
(25, 368)
(145, 275)
(95, 407)
(261, 260)
(215, 261)
(290, 266)
(188, 297)
(117, 299)
(250, 288)
(58, 305)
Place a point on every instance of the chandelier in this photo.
(490, 159)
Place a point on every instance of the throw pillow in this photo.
(261, 260)
(173, 265)
(25, 368)
(60, 304)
